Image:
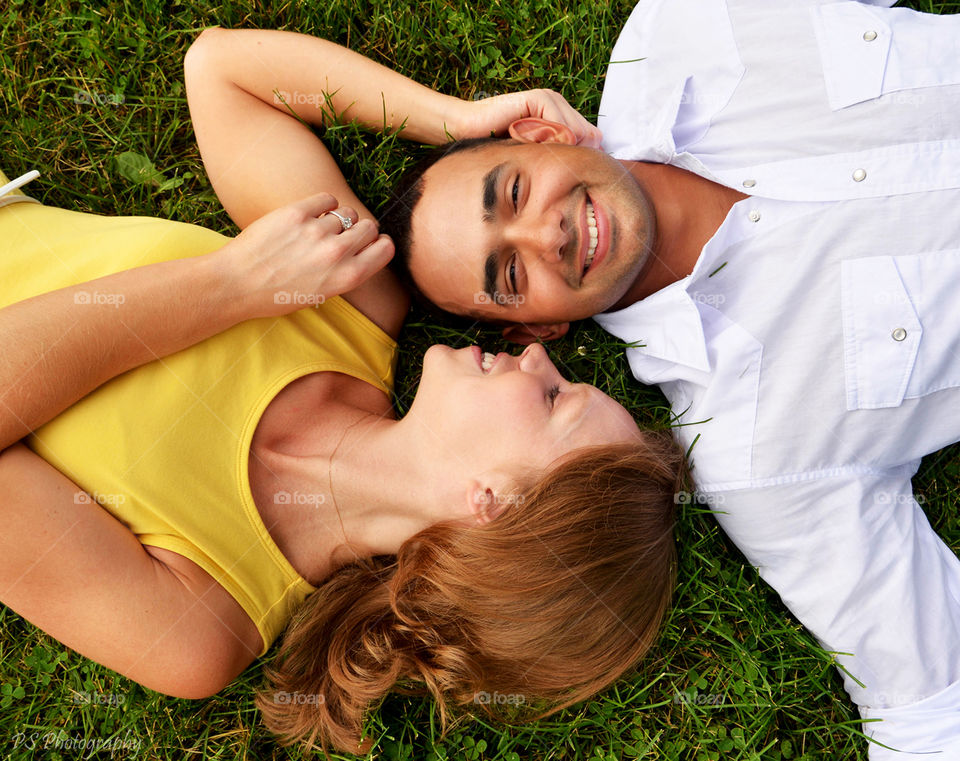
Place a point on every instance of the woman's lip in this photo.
(478, 353)
(603, 236)
(496, 360)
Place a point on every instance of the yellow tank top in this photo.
(165, 447)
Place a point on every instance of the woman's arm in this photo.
(58, 347)
(243, 84)
(260, 157)
(71, 568)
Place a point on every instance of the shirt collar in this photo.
(648, 136)
(666, 326)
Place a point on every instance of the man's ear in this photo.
(527, 334)
(535, 130)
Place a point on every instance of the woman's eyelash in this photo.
(516, 192)
(553, 393)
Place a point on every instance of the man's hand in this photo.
(494, 115)
(299, 255)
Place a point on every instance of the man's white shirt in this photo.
(813, 355)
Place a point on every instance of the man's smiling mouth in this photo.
(592, 232)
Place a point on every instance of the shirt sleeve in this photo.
(856, 561)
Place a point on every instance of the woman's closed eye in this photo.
(553, 393)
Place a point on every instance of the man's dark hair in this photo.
(396, 214)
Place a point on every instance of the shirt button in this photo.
(898, 334)
(859, 175)
(869, 36)
(749, 183)
(754, 216)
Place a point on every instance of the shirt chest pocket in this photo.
(901, 322)
(867, 51)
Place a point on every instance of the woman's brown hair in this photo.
(545, 605)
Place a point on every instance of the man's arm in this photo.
(856, 561)
(59, 347)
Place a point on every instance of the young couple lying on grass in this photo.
(519, 544)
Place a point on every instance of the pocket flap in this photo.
(881, 333)
(854, 45)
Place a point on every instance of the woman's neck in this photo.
(358, 485)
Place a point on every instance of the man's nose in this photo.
(542, 236)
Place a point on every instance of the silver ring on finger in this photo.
(345, 222)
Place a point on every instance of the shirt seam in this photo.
(806, 475)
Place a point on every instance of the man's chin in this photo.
(613, 300)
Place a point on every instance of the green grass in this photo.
(728, 635)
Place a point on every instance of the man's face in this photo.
(529, 232)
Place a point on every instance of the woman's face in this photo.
(512, 412)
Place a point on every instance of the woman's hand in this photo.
(299, 255)
(480, 118)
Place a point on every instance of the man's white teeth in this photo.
(487, 361)
(592, 231)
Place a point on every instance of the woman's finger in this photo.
(315, 205)
(372, 258)
(361, 234)
(339, 219)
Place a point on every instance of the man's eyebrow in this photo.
(490, 181)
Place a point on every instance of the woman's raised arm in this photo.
(244, 85)
(257, 154)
